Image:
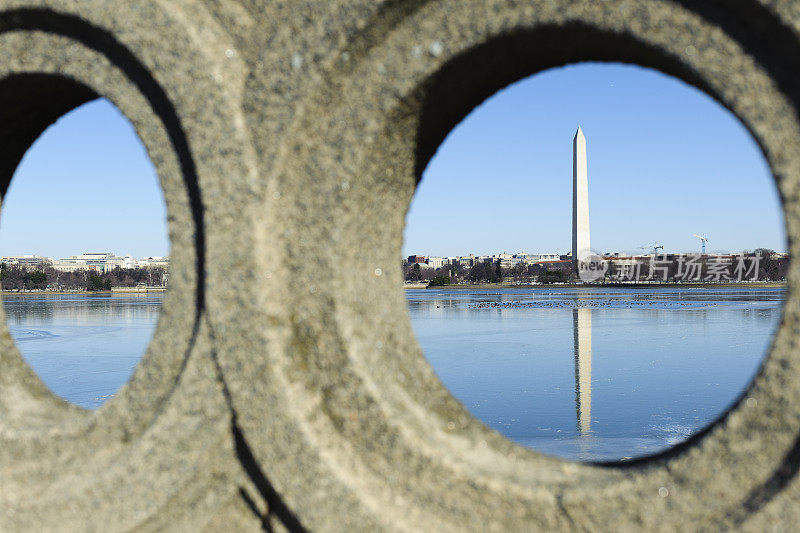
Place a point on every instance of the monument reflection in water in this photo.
(600, 373)
(582, 339)
(645, 368)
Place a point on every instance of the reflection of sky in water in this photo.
(84, 347)
(662, 362)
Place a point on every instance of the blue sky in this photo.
(86, 184)
(665, 161)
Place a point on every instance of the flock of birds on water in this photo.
(610, 303)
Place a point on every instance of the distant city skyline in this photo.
(86, 184)
(111, 252)
(665, 162)
(89, 261)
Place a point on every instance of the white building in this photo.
(124, 262)
(435, 262)
(467, 261)
(106, 262)
(94, 261)
(153, 262)
(504, 259)
(26, 262)
(70, 265)
(549, 257)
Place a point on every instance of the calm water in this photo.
(592, 374)
(84, 347)
(596, 374)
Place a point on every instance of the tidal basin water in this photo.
(587, 374)
(596, 374)
(83, 346)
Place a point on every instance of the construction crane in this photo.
(703, 241)
(655, 247)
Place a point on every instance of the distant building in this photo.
(91, 261)
(503, 259)
(467, 261)
(435, 262)
(71, 265)
(549, 257)
(124, 262)
(26, 262)
(106, 262)
(153, 262)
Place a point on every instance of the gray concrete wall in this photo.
(289, 137)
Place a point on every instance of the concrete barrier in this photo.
(289, 137)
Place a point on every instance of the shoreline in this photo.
(657, 285)
(114, 290)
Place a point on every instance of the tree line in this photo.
(758, 265)
(16, 278)
(486, 272)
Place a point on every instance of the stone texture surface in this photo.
(289, 137)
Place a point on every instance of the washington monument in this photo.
(580, 197)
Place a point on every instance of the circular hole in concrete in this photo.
(652, 340)
(84, 253)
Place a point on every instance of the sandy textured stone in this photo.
(289, 138)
